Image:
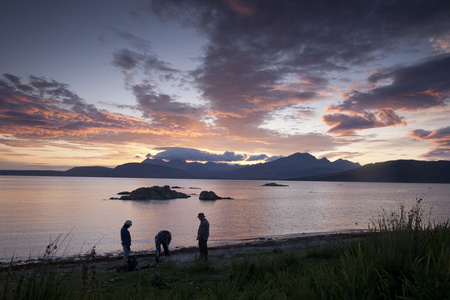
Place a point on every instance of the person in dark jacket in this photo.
(126, 240)
(162, 238)
(202, 236)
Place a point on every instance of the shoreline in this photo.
(290, 242)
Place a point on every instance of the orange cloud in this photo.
(439, 137)
(241, 7)
(348, 124)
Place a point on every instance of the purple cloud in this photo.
(255, 47)
(127, 60)
(164, 110)
(441, 139)
(346, 125)
(43, 108)
(421, 86)
(257, 157)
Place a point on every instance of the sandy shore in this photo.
(228, 251)
(285, 244)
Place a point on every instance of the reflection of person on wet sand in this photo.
(202, 236)
(162, 238)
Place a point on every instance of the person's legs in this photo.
(203, 249)
(158, 250)
(166, 250)
(126, 253)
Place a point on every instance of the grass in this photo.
(402, 257)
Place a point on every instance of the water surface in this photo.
(34, 211)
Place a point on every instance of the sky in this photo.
(107, 82)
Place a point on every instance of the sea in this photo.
(64, 217)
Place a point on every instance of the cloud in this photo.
(272, 158)
(440, 137)
(242, 123)
(165, 112)
(347, 125)
(256, 51)
(127, 60)
(438, 154)
(145, 74)
(41, 108)
(178, 153)
(240, 7)
(257, 157)
(138, 62)
(37, 108)
(442, 42)
(135, 41)
(420, 86)
(261, 61)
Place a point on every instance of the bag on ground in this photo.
(132, 263)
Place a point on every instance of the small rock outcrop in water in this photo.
(274, 184)
(205, 195)
(154, 193)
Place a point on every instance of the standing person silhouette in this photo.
(126, 240)
(202, 236)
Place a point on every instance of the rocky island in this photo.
(152, 193)
(274, 184)
(205, 195)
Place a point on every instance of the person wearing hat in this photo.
(126, 240)
(202, 236)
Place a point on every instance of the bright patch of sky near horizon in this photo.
(108, 82)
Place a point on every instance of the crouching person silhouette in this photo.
(162, 238)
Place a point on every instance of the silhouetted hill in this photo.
(392, 171)
(207, 170)
(295, 165)
(88, 171)
(130, 170)
(193, 167)
(139, 170)
(298, 166)
(31, 173)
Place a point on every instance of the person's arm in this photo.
(199, 232)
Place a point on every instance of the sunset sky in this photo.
(107, 82)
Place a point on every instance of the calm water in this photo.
(34, 211)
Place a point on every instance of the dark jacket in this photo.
(125, 236)
(203, 230)
(163, 237)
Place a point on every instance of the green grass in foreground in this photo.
(400, 258)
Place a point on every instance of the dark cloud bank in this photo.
(254, 46)
(253, 49)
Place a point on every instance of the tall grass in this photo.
(402, 257)
(42, 282)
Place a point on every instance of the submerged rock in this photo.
(154, 193)
(205, 195)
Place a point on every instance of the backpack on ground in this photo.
(132, 263)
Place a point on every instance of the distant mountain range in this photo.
(392, 171)
(298, 166)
